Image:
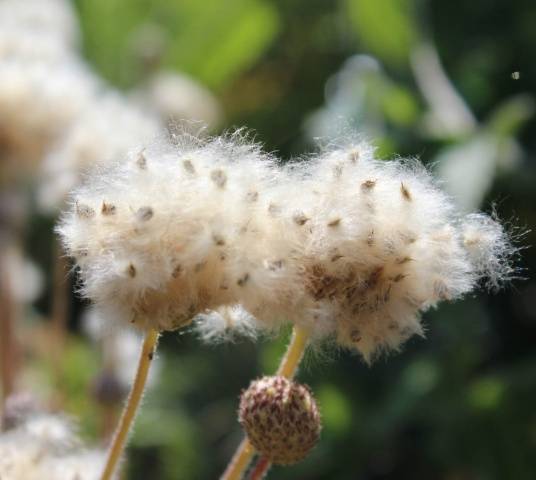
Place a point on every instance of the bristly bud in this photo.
(280, 418)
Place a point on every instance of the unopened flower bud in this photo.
(281, 419)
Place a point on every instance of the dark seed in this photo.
(405, 192)
(144, 214)
(107, 209)
(218, 177)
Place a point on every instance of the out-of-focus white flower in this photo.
(342, 244)
(32, 46)
(449, 115)
(46, 446)
(352, 96)
(37, 106)
(106, 130)
(468, 169)
(43, 17)
(177, 97)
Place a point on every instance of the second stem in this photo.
(287, 368)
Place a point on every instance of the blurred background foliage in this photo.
(451, 82)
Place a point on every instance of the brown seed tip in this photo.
(368, 185)
(397, 278)
(243, 280)
(144, 214)
(252, 196)
(334, 223)
(176, 273)
(355, 335)
(107, 209)
(300, 218)
(219, 177)
(84, 211)
(141, 161)
(274, 209)
(131, 270)
(218, 240)
(188, 166)
(406, 194)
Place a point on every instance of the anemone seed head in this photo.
(340, 243)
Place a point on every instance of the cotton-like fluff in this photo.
(158, 238)
(342, 244)
(226, 324)
(46, 446)
(177, 97)
(103, 132)
(378, 243)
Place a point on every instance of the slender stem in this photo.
(261, 469)
(60, 304)
(59, 315)
(133, 402)
(287, 368)
(7, 334)
(240, 461)
(291, 360)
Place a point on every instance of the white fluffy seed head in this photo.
(103, 132)
(46, 446)
(37, 107)
(342, 244)
(159, 237)
(41, 17)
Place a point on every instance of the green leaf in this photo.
(218, 40)
(486, 393)
(400, 106)
(211, 40)
(386, 27)
(511, 115)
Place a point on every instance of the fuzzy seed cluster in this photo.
(58, 117)
(281, 419)
(340, 243)
(44, 83)
(42, 446)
